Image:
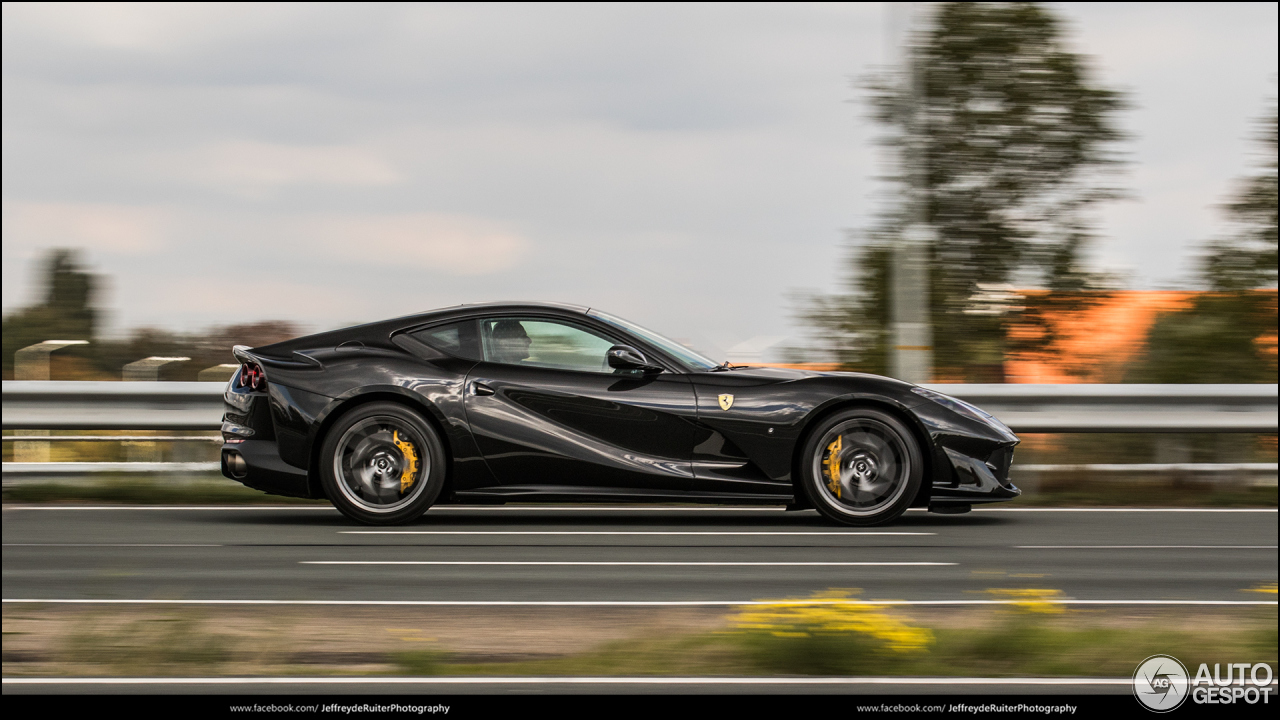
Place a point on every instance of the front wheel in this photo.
(861, 467)
(382, 464)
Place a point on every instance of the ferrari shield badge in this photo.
(726, 402)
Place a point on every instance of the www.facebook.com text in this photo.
(344, 709)
(974, 709)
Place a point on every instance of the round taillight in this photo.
(251, 376)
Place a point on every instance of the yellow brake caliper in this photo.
(411, 458)
(833, 465)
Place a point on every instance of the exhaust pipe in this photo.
(233, 464)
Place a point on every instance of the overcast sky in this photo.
(688, 167)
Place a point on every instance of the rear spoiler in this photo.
(244, 354)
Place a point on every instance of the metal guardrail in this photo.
(54, 405)
(1125, 408)
(73, 469)
(191, 406)
(84, 405)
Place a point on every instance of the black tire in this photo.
(367, 464)
(880, 467)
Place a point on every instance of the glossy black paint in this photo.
(519, 432)
(539, 426)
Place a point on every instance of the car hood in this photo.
(779, 374)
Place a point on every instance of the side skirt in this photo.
(551, 493)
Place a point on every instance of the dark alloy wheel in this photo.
(382, 464)
(861, 467)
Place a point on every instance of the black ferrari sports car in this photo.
(528, 402)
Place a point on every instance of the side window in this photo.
(544, 343)
(458, 339)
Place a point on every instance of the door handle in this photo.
(479, 388)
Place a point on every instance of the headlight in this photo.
(962, 408)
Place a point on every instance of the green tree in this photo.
(1219, 338)
(1247, 258)
(1016, 144)
(66, 310)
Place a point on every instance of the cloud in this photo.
(146, 27)
(251, 167)
(584, 153)
(119, 229)
(227, 299)
(453, 244)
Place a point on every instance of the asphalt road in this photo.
(629, 555)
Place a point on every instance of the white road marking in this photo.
(108, 545)
(614, 508)
(1124, 510)
(466, 508)
(590, 508)
(607, 564)
(528, 680)
(1146, 546)
(611, 603)
(327, 508)
(610, 532)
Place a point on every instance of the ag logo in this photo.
(726, 402)
(1160, 683)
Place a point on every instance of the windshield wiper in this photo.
(726, 365)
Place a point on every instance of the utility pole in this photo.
(911, 331)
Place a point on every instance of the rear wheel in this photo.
(382, 464)
(861, 467)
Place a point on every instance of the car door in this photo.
(549, 414)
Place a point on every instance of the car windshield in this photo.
(690, 358)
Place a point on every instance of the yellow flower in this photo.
(1034, 600)
(833, 613)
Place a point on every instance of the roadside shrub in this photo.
(828, 634)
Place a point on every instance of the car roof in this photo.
(477, 309)
(377, 332)
(517, 305)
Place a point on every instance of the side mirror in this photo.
(625, 357)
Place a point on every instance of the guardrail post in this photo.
(32, 363)
(146, 370)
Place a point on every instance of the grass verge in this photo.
(1011, 650)
(1038, 639)
(1007, 642)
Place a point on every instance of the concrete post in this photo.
(217, 373)
(32, 363)
(146, 370)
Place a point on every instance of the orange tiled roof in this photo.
(1094, 344)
